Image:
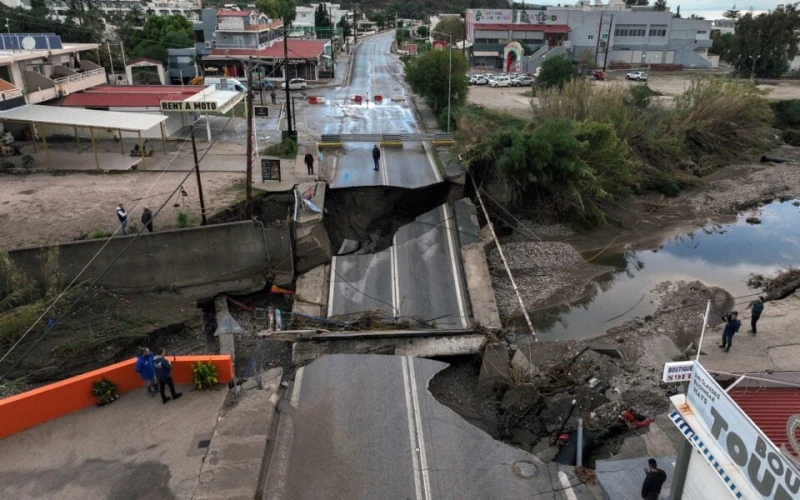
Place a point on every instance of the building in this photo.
(610, 35)
(190, 9)
(223, 38)
(305, 20)
(42, 68)
(181, 65)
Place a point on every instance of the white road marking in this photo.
(383, 168)
(298, 381)
(411, 436)
(448, 224)
(562, 477)
(423, 459)
(436, 174)
(332, 280)
(395, 276)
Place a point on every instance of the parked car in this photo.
(639, 76)
(295, 84)
(599, 75)
(481, 80)
(522, 81)
(501, 81)
(225, 84)
(263, 84)
(591, 74)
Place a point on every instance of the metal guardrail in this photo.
(328, 138)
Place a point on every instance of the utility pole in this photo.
(250, 156)
(355, 24)
(608, 42)
(286, 77)
(597, 46)
(199, 184)
(333, 47)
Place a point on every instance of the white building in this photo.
(190, 9)
(305, 15)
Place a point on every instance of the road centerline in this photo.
(448, 222)
(411, 433)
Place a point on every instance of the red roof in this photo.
(545, 28)
(233, 13)
(298, 49)
(129, 96)
(769, 409)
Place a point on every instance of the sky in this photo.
(710, 9)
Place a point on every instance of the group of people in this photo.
(733, 324)
(122, 215)
(376, 159)
(156, 373)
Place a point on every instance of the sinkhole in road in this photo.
(365, 219)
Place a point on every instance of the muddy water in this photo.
(723, 256)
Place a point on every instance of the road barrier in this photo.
(357, 98)
(378, 98)
(330, 139)
(52, 401)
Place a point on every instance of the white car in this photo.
(639, 76)
(501, 81)
(480, 80)
(522, 81)
(295, 84)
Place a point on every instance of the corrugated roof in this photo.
(545, 28)
(129, 96)
(233, 13)
(78, 117)
(769, 409)
(5, 86)
(298, 49)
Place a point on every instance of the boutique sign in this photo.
(771, 473)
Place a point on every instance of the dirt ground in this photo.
(40, 209)
(509, 100)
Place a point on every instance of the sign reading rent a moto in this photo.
(188, 106)
(760, 462)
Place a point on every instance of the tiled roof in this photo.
(769, 409)
(233, 13)
(129, 96)
(298, 49)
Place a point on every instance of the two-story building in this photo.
(611, 35)
(226, 37)
(39, 67)
(305, 19)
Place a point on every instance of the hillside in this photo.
(414, 9)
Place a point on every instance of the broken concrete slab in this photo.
(311, 292)
(233, 465)
(607, 350)
(495, 368)
(348, 247)
(522, 363)
(479, 288)
(622, 479)
(467, 221)
(315, 193)
(312, 246)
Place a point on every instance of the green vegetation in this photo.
(763, 45)
(204, 375)
(284, 149)
(428, 75)
(105, 391)
(556, 72)
(588, 147)
(99, 234)
(450, 25)
(183, 219)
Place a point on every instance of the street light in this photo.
(449, 74)
(753, 70)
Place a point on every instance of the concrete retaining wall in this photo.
(236, 257)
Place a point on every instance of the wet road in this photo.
(408, 166)
(390, 439)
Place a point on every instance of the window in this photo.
(631, 30)
(238, 41)
(702, 32)
(591, 37)
(658, 30)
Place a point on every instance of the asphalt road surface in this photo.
(418, 277)
(366, 427)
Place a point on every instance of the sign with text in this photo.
(188, 106)
(260, 111)
(758, 460)
(270, 169)
(679, 371)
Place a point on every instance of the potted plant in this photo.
(105, 391)
(204, 375)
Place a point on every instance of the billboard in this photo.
(509, 16)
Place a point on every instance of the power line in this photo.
(105, 271)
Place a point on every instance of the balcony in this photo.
(41, 88)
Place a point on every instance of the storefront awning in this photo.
(79, 117)
(485, 53)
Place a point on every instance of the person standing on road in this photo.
(272, 95)
(758, 308)
(164, 376)
(309, 160)
(653, 480)
(732, 325)
(147, 219)
(376, 156)
(147, 372)
(122, 215)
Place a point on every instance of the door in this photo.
(670, 57)
(637, 57)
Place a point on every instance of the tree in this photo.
(764, 45)
(660, 6)
(556, 71)
(422, 32)
(451, 25)
(695, 16)
(321, 18)
(285, 10)
(677, 14)
(732, 13)
(631, 3)
(378, 18)
(428, 75)
(157, 35)
(346, 31)
(722, 46)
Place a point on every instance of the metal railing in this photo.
(80, 76)
(385, 137)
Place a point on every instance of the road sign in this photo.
(261, 111)
(188, 106)
(439, 45)
(270, 169)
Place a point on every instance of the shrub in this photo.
(284, 149)
(99, 234)
(183, 219)
(105, 391)
(787, 113)
(556, 72)
(204, 375)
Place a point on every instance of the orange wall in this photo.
(49, 402)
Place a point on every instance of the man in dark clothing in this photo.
(758, 308)
(732, 325)
(653, 480)
(122, 215)
(164, 375)
(376, 156)
(309, 160)
(147, 219)
(272, 96)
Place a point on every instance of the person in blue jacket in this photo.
(164, 375)
(732, 325)
(146, 370)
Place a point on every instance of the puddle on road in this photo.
(723, 255)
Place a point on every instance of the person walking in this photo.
(758, 308)
(147, 219)
(732, 325)
(164, 376)
(376, 156)
(653, 480)
(309, 160)
(272, 95)
(122, 215)
(146, 370)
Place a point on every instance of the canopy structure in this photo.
(40, 116)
